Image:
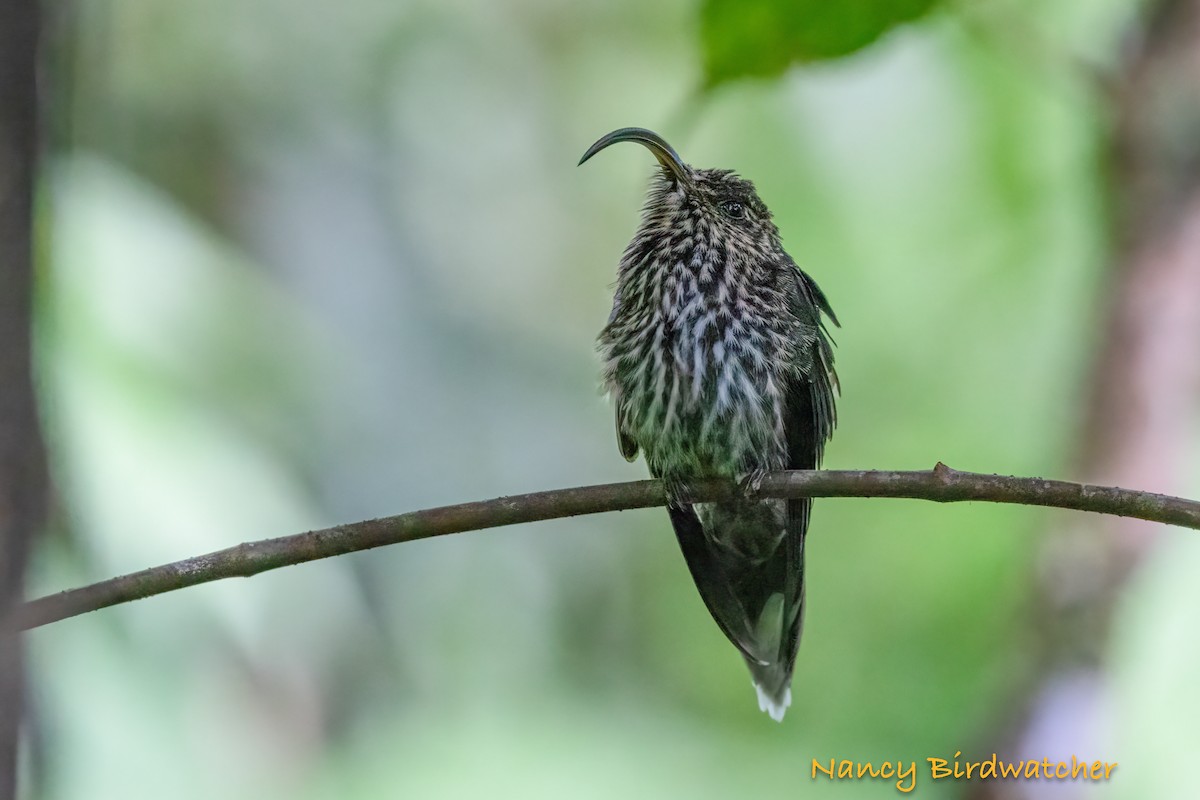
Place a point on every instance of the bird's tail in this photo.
(773, 683)
(757, 602)
(777, 636)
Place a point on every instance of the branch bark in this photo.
(941, 484)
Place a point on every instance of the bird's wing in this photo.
(810, 416)
(808, 424)
(811, 291)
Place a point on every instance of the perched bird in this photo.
(719, 364)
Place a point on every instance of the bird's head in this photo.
(703, 210)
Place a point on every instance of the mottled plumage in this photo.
(718, 363)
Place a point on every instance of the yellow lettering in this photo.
(906, 775)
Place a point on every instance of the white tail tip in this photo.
(775, 707)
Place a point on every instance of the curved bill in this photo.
(657, 145)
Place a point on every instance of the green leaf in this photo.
(761, 38)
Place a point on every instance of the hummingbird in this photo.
(719, 363)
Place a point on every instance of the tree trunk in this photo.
(22, 463)
(1142, 393)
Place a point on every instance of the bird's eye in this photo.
(734, 209)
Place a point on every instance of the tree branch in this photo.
(942, 485)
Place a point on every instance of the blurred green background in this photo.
(311, 263)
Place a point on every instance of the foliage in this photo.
(761, 38)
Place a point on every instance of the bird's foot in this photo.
(678, 492)
(751, 484)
